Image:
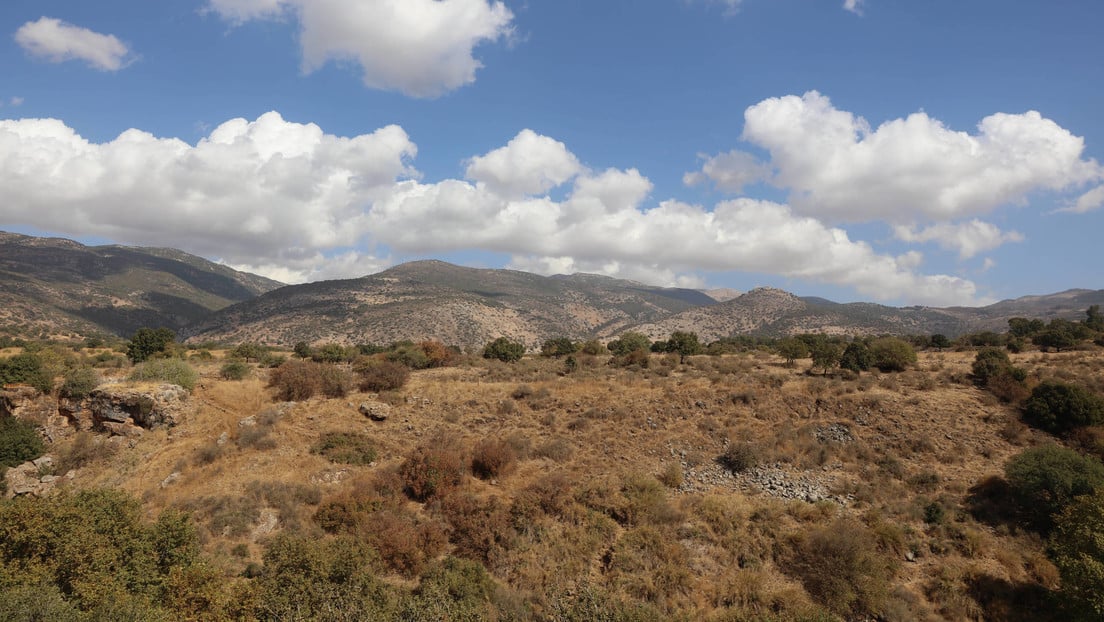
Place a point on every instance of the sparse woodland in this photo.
(808, 478)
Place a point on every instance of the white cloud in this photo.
(855, 6)
(987, 265)
(840, 169)
(1090, 201)
(528, 164)
(294, 203)
(267, 192)
(968, 238)
(57, 41)
(729, 171)
(423, 48)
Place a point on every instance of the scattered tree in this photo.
(558, 346)
(684, 344)
(149, 341)
(1044, 480)
(892, 354)
(1058, 407)
(629, 342)
(504, 349)
(791, 349)
(856, 357)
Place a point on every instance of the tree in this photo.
(892, 354)
(1023, 327)
(989, 362)
(504, 350)
(302, 349)
(558, 346)
(1077, 547)
(856, 357)
(250, 351)
(1093, 319)
(939, 341)
(1044, 480)
(825, 354)
(629, 342)
(331, 353)
(26, 368)
(791, 349)
(148, 341)
(684, 344)
(1058, 407)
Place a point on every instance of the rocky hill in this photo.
(51, 286)
(463, 306)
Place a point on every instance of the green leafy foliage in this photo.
(26, 368)
(79, 382)
(149, 341)
(856, 357)
(1044, 480)
(629, 342)
(1058, 407)
(504, 349)
(558, 346)
(172, 371)
(791, 349)
(19, 442)
(235, 370)
(1077, 547)
(684, 344)
(346, 448)
(892, 354)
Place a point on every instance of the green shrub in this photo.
(856, 357)
(892, 354)
(504, 350)
(172, 371)
(988, 363)
(1077, 548)
(19, 442)
(558, 346)
(629, 342)
(80, 382)
(26, 368)
(234, 370)
(1044, 480)
(345, 448)
(148, 341)
(1058, 407)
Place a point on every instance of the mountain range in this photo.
(55, 286)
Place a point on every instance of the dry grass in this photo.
(607, 477)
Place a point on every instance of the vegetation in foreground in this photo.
(812, 478)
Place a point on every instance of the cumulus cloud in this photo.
(57, 41)
(838, 168)
(529, 164)
(855, 6)
(292, 202)
(1090, 201)
(729, 171)
(423, 48)
(263, 193)
(968, 238)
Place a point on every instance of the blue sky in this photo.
(906, 152)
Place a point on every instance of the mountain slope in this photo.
(53, 285)
(462, 306)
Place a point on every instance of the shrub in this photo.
(438, 354)
(841, 568)
(19, 442)
(80, 382)
(988, 363)
(376, 375)
(593, 347)
(345, 448)
(148, 341)
(298, 380)
(234, 370)
(629, 342)
(480, 528)
(856, 357)
(331, 353)
(410, 355)
(1058, 407)
(1044, 480)
(173, 371)
(26, 368)
(1078, 552)
(256, 437)
(493, 458)
(85, 449)
(739, 457)
(558, 346)
(433, 469)
(892, 354)
(504, 349)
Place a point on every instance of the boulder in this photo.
(148, 409)
(376, 411)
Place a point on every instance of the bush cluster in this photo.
(1058, 407)
(433, 469)
(173, 371)
(375, 375)
(298, 380)
(345, 448)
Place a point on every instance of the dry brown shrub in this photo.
(404, 542)
(377, 375)
(493, 458)
(438, 354)
(481, 529)
(298, 380)
(555, 449)
(652, 565)
(433, 469)
(550, 494)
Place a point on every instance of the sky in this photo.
(910, 153)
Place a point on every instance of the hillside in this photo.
(50, 286)
(458, 305)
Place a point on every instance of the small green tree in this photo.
(1045, 479)
(1023, 327)
(504, 349)
(302, 350)
(988, 363)
(558, 346)
(1094, 320)
(892, 354)
(26, 368)
(79, 382)
(1058, 407)
(825, 353)
(791, 349)
(331, 353)
(939, 341)
(856, 357)
(19, 442)
(684, 344)
(249, 350)
(629, 342)
(1077, 548)
(149, 341)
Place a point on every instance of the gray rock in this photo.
(376, 411)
